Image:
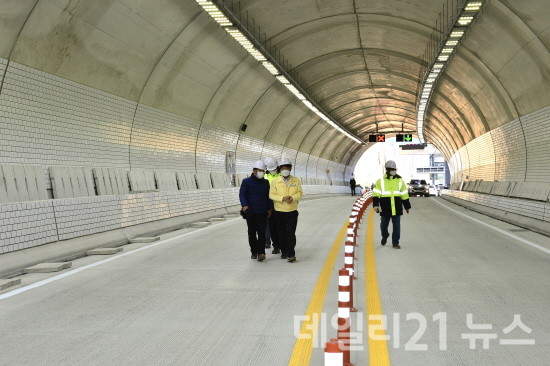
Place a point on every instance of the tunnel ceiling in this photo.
(361, 58)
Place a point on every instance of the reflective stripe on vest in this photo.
(402, 189)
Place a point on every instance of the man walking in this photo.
(256, 207)
(271, 234)
(352, 185)
(390, 194)
(285, 192)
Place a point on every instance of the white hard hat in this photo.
(259, 165)
(285, 161)
(270, 164)
(390, 164)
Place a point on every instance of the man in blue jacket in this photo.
(256, 207)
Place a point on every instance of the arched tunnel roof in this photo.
(362, 58)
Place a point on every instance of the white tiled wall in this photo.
(515, 152)
(510, 152)
(528, 208)
(536, 126)
(290, 154)
(272, 150)
(312, 166)
(300, 167)
(482, 158)
(26, 224)
(212, 144)
(87, 215)
(163, 140)
(49, 121)
(69, 124)
(34, 223)
(249, 150)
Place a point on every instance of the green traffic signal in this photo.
(408, 137)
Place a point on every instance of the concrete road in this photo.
(196, 298)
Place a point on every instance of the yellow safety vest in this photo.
(391, 187)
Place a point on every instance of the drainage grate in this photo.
(517, 230)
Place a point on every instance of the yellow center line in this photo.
(378, 347)
(301, 355)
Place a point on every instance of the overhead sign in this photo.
(413, 146)
(402, 138)
(377, 138)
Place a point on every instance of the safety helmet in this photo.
(285, 161)
(259, 165)
(270, 164)
(390, 164)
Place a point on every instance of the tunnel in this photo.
(129, 130)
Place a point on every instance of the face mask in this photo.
(393, 172)
(285, 173)
(260, 175)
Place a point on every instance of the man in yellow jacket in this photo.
(271, 234)
(286, 191)
(389, 196)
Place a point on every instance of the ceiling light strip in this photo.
(459, 25)
(225, 18)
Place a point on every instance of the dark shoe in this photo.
(254, 256)
(261, 257)
(284, 257)
(291, 259)
(396, 246)
(384, 241)
(268, 245)
(276, 251)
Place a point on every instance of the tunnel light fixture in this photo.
(258, 55)
(465, 19)
(215, 13)
(308, 104)
(232, 25)
(269, 66)
(282, 79)
(457, 33)
(460, 21)
(473, 6)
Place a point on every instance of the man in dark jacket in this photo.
(256, 208)
(389, 196)
(352, 185)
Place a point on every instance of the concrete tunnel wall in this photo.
(95, 84)
(133, 84)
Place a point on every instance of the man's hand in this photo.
(407, 211)
(269, 213)
(245, 208)
(287, 199)
(377, 209)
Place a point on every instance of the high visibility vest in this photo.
(391, 187)
(270, 176)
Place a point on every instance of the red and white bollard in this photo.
(334, 354)
(344, 321)
(348, 266)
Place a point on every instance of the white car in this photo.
(434, 191)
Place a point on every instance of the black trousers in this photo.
(352, 191)
(256, 232)
(286, 223)
(274, 232)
